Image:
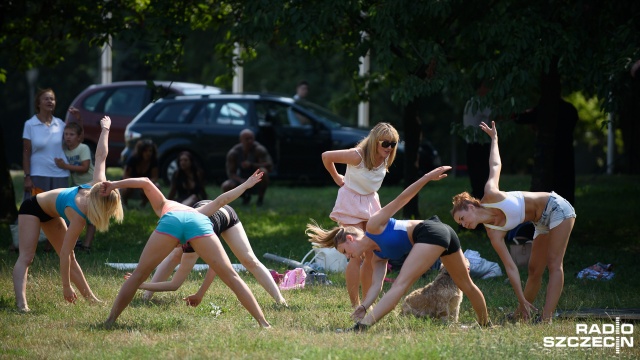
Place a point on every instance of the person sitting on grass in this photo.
(226, 225)
(181, 224)
(423, 241)
(501, 211)
(53, 210)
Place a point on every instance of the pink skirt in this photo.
(352, 208)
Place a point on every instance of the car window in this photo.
(233, 113)
(125, 101)
(176, 113)
(92, 101)
(281, 115)
(206, 114)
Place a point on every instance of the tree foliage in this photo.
(418, 48)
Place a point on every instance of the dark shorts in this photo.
(433, 231)
(31, 207)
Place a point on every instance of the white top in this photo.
(512, 207)
(76, 157)
(46, 145)
(362, 180)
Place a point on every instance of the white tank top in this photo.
(362, 180)
(512, 207)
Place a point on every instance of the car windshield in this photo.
(323, 115)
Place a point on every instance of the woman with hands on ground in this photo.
(423, 241)
(226, 225)
(179, 225)
(53, 210)
(501, 211)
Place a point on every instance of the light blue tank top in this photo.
(67, 198)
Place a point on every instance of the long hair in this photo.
(329, 238)
(182, 180)
(369, 144)
(100, 209)
(39, 94)
(462, 201)
(142, 146)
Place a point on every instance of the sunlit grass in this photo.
(606, 230)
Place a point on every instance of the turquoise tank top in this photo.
(67, 198)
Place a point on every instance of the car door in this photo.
(216, 126)
(298, 140)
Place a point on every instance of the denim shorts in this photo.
(557, 210)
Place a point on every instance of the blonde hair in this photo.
(462, 201)
(369, 145)
(100, 209)
(330, 238)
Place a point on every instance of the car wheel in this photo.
(168, 166)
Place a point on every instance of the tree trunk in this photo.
(8, 210)
(412, 131)
(546, 120)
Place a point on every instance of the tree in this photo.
(418, 48)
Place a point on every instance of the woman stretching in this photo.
(53, 210)
(226, 225)
(181, 224)
(423, 241)
(367, 164)
(501, 211)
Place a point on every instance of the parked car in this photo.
(295, 132)
(122, 101)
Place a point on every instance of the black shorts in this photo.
(433, 231)
(31, 207)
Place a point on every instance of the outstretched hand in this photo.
(491, 131)
(105, 122)
(437, 173)
(106, 187)
(525, 310)
(193, 300)
(254, 179)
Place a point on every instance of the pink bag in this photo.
(293, 279)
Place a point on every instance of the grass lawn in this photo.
(606, 231)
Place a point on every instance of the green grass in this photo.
(606, 230)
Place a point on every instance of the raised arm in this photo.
(379, 220)
(330, 158)
(155, 196)
(227, 197)
(102, 149)
(495, 164)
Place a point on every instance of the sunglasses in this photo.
(385, 144)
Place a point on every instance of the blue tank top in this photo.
(394, 241)
(67, 198)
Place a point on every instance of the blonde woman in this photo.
(367, 165)
(501, 211)
(53, 210)
(424, 241)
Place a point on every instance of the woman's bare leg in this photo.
(211, 251)
(165, 269)
(459, 272)
(239, 244)
(558, 240)
(28, 234)
(157, 248)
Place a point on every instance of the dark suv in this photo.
(295, 132)
(122, 101)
